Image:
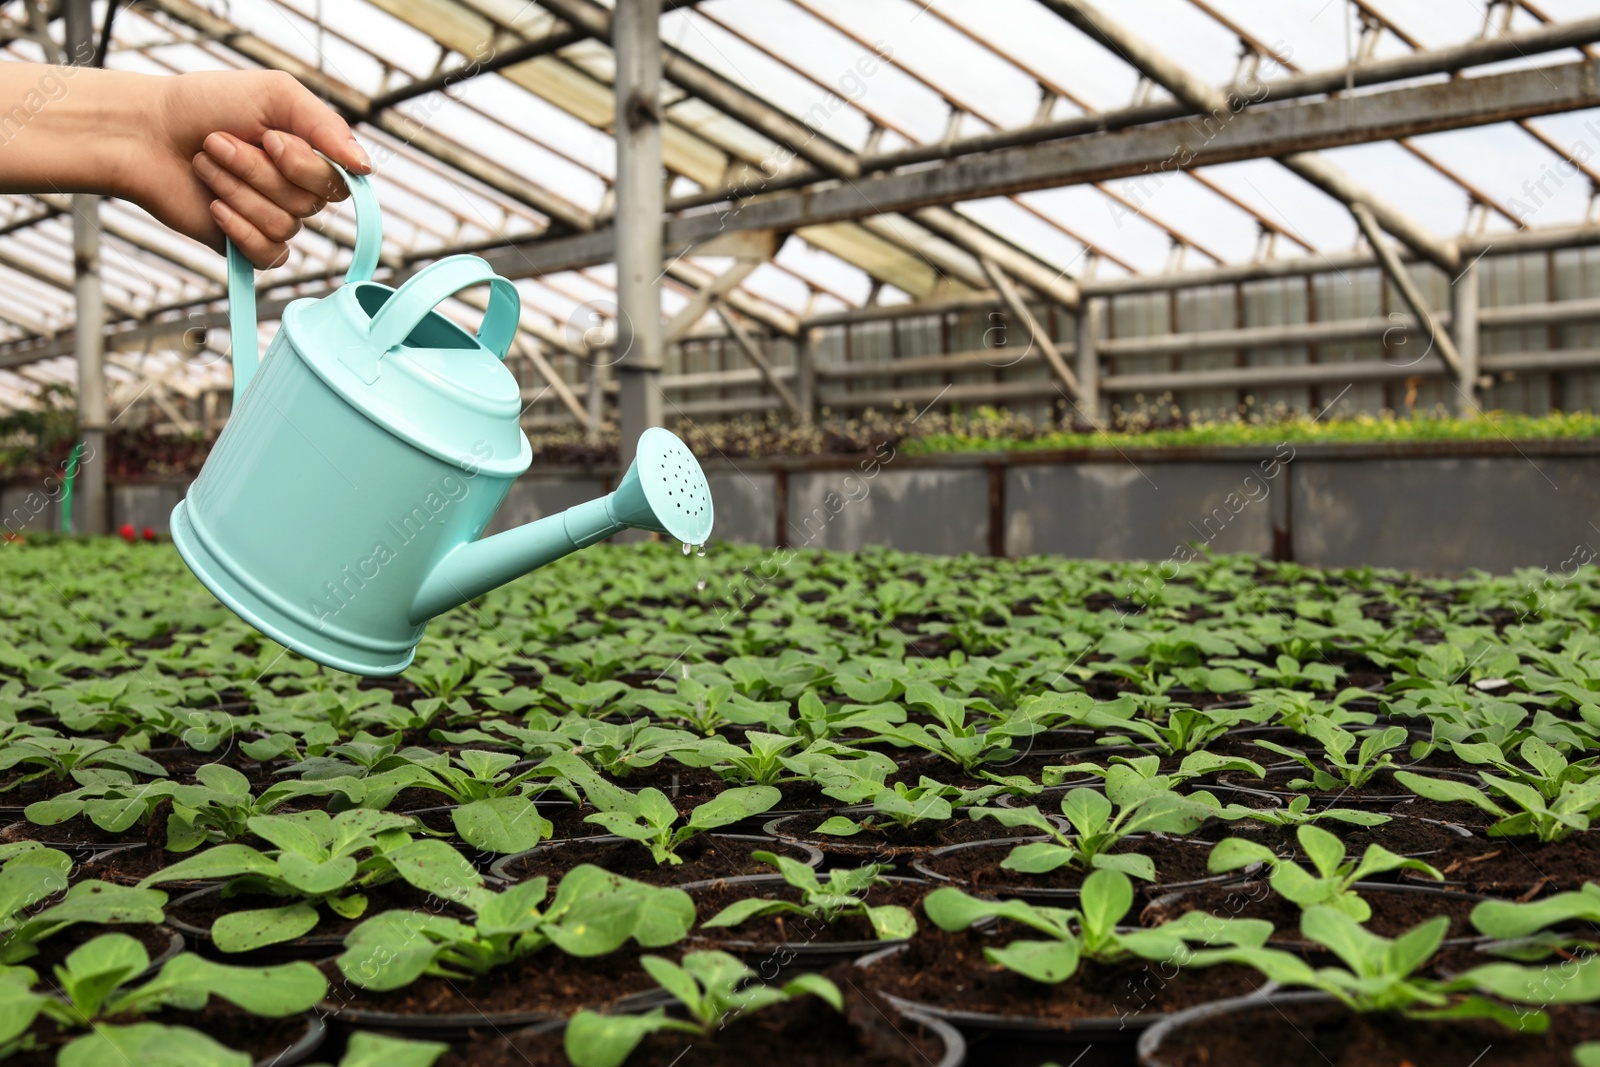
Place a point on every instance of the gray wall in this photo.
(1530, 505)
(1445, 515)
(1141, 510)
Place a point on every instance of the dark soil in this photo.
(132, 865)
(1520, 867)
(978, 870)
(1329, 1035)
(706, 857)
(549, 982)
(890, 839)
(1393, 912)
(79, 831)
(948, 971)
(792, 927)
(804, 1032)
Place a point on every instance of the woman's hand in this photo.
(231, 153)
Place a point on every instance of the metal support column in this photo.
(89, 331)
(1087, 343)
(640, 193)
(1464, 327)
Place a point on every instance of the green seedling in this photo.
(593, 912)
(1298, 813)
(710, 987)
(1342, 769)
(1144, 772)
(1530, 930)
(649, 817)
(33, 874)
(843, 895)
(903, 807)
(1332, 878)
(99, 981)
(1548, 820)
(1380, 973)
(314, 862)
(1183, 730)
(1096, 830)
(1091, 930)
(59, 757)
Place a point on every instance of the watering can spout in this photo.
(664, 491)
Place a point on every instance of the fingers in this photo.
(293, 160)
(262, 198)
(259, 249)
(292, 108)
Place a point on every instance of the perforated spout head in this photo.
(665, 490)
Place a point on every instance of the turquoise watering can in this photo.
(343, 505)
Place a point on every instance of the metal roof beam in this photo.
(1214, 104)
(1251, 134)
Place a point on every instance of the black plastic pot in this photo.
(79, 851)
(1029, 1041)
(1162, 1033)
(955, 1045)
(316, 1033)
(805, 853)
(459, 1026)
(1051, 894)
(809, 954)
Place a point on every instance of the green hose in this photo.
(66, 489)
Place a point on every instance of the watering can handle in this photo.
(242, 277)
(412, 302)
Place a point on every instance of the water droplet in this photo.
(702, 551)
(701, 585)
(686, 548)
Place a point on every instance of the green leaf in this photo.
(817, 986)
(1042, 961)
(149, 1045)
(1232, 853)
(1324, 850)
(436, 867)
(1038, 857)
(731, 805)
(367, 1049)
(1086, 809)
(222, 861)
(241, 931)
(1129, 863)
(316, 878)
(187, 981)
(1105, 898)
(891, 922)
(742, 911)
(501, 824)
(839, 826)
(595, 1040)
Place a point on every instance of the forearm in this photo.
(70, 129)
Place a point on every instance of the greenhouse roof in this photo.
(489, 124)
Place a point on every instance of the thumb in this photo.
(293, 108)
